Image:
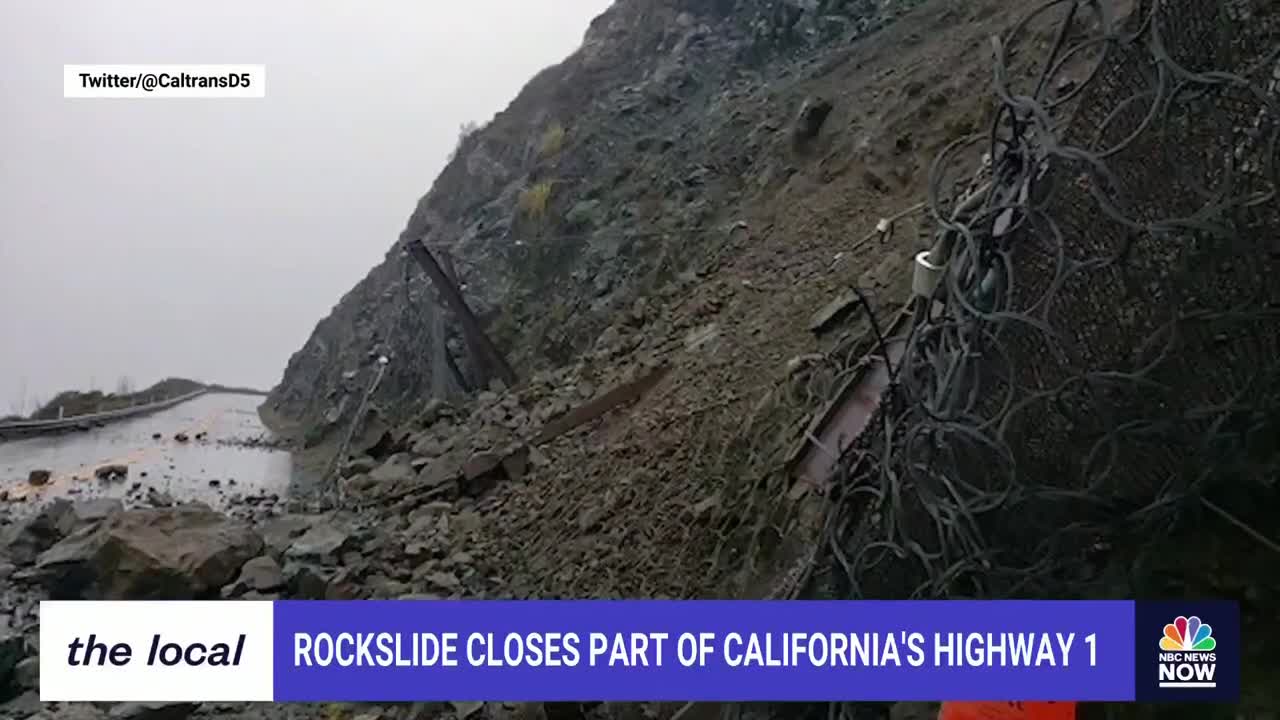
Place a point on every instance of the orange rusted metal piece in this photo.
(601, 404)
(847, 415)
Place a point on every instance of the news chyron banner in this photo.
(400, 651)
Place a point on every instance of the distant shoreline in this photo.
(116, 410)
(73, 403)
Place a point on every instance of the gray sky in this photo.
(205, 238)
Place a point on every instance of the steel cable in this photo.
(1105, 327)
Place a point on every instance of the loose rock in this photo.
(307, 583)
(359, 466)
(397, 469)
(157, 554)
(321, 542)
(262, 574)
(112, 472)
(71, 516)
(444, 581)
(813, 113)
(26, 674)
(833, 312)
(12, 648)
(159, 498)
(280, 533)
(30, 537)
(28, 705)
(465, 710)
(152, 711)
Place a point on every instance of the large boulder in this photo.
(26, 674)
(175, 553)
(12, 650)
(25, 540)
(72, 516)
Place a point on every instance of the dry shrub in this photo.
(533, 200)
(552, 140)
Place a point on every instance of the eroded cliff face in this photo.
(624, 165)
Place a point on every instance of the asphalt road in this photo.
(183, 469)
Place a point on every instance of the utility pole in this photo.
(488, 359)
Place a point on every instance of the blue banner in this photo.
(705, 651)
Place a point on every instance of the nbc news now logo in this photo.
(1186, 658)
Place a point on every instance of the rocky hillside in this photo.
(716, 174)
(661, 232)
(610, 174)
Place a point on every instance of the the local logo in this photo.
(1187, 659)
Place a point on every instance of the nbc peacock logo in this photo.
(1187, 659)
(1188, 635)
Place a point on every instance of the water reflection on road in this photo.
(211, 469)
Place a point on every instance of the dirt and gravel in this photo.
(667, 497)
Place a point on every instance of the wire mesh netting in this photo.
(1101, 353)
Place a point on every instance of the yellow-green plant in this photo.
(552, 140)
(533, 200)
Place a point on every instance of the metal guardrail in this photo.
(31, 427)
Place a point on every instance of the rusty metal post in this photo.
(460, 380)
(489, 360)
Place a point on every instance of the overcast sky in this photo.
(205, 238)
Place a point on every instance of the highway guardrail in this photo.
(36, 427)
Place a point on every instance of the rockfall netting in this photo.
(1100, 357)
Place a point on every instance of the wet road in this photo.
(211, 470)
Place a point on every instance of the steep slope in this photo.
(608, 175)
(730, 235)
